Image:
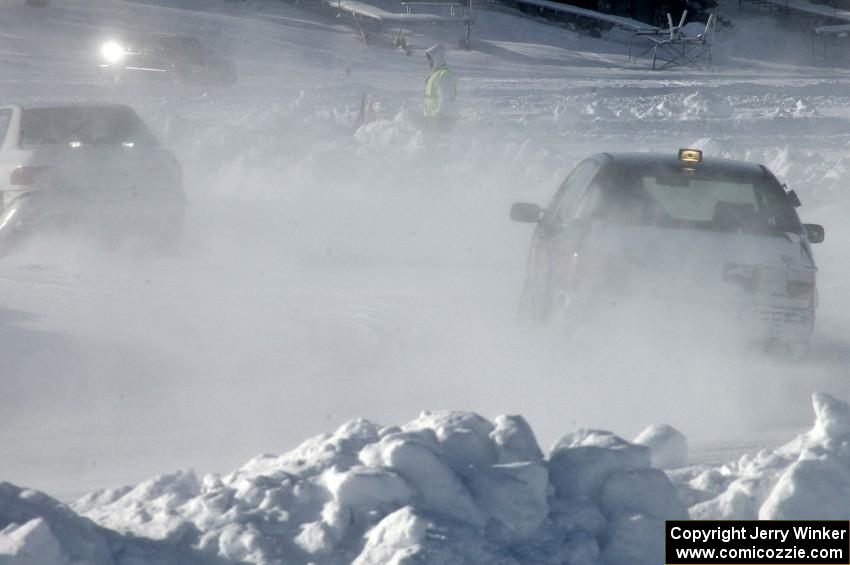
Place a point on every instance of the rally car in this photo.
(713, 234)
(173, 58)
(94, 167)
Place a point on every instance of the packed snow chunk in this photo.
(368, 488)
(832, 418)
(641, 491)
(572, 515)
(464, 438)
(398, 536)
(581, 462)
(740, 501)
(668, 446)
(401, 132)
(417, 457)
(597, 110)
(242, 543)
(149, 509)
(515, 441)
(338, 519)
(315, 538)
(580, 549)
(636, 540)
(804, 108)
(408, 537)
(702, 105)
(30, 544)
(514, 495)
(816, 488)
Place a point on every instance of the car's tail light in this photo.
(24, 176)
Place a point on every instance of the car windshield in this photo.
(86, 126)
(698, 199)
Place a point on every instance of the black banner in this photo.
(760, 542)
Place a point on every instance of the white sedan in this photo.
(88, 166)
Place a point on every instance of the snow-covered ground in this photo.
(327, 276)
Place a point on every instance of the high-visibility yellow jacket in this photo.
(440, 92)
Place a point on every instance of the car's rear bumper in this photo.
(42, 211)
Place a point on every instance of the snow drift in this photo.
(809, 478)
(448, 487)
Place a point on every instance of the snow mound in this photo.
(806, 479)
(801, 108)
(697, 105)
(38, 530)
(598, 110)
(667, 109)
(668, 446)
(448, 487)
(704, 105)
(31, 544)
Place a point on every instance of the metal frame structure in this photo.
(672, 47)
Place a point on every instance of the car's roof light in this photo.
(690, 155)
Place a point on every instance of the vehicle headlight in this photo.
(800, 283)
(112, 51)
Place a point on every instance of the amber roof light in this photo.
(690, 155)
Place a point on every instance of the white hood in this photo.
(436, 55)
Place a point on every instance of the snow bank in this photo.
(37, 530)
(809, 478)
(698, 105)
(448, 487)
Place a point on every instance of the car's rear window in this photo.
(677, 197)
(86, 126)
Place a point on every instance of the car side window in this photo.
(563, 205)
(5, 120)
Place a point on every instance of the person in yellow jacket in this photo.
(440, 89)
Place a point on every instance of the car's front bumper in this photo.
(776, 319)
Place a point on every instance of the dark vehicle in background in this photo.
(711, 236)
(96, 168)
(173, 58)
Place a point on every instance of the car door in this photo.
(555, 240)
(7, 163)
